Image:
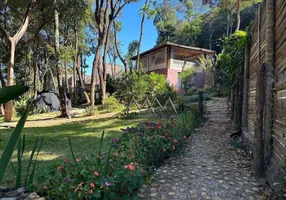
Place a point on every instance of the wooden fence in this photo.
(274, 145)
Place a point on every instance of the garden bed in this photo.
(130, 160)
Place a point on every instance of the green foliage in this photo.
(231, 58)
(139, 85)
(186, 78)
(6, 94)
(20, 106)
(90, 110)
(11, 92)
(10, 146)
(110, 104)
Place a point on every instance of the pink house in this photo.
(170, 59)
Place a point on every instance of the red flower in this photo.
(131, 167)
(96, 173)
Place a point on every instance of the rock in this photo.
(153, 194)
(194, 196)
(171, 193)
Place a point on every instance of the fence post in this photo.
(258, 124)
(244, 118)
(201, 105)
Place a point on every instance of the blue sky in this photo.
(131, 20)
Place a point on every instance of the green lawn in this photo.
(85, 137)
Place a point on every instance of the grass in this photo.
(85, 137)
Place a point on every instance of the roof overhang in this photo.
(180, 51)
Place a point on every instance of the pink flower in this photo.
(175, 141)
(91, 191)
(75, 190)
(185, 137)
(107, 184)
(96, 173)
(131, 167)
(125, 166)
(127, 129)
(131, 150)
(78, 159)
(68, 180)
(173, 146)
(114, 140)
(92, 185)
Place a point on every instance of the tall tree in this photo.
(105, 14)
(63, 101)
(13, 41)
(141, 34)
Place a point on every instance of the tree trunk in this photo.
(102, 72)
(140, 38)
(10, 80)
(63, 101)
(75, 63)
(81, 80)
(269, 79)
(35, 70)
(66, 86)
(94, 71)
(238, 15)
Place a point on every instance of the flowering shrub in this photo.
(120, 172)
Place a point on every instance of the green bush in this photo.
(110, 104)
(20, 106)
(139, 85)
(90, 110)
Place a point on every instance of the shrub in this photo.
(90, 110)
(20, 106)
(139, 85)
(111, 103)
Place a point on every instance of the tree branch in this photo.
(25, 23)
(117, 49)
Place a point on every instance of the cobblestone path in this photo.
(210, 168)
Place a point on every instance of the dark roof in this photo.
(189, 48)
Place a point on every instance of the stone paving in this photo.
(210, 168)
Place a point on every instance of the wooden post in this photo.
(258, 124)
(244, 117)
(269, 78)
(201, 105)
